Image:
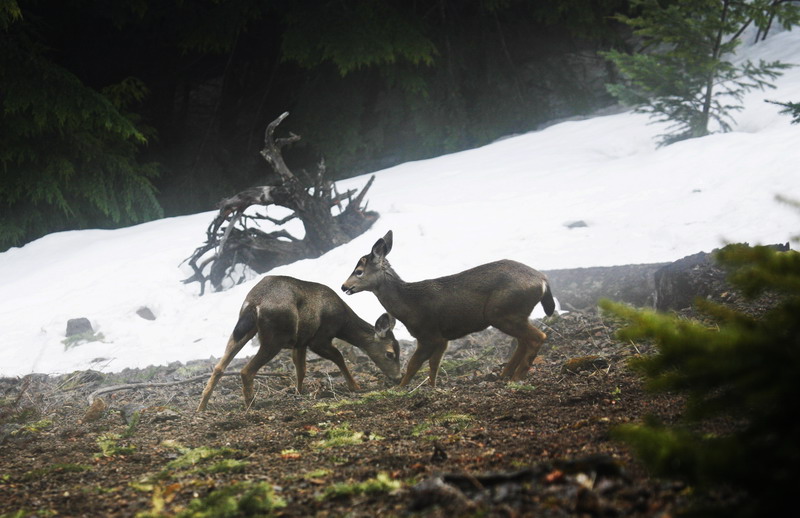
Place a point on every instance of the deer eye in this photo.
(391, 356)
(359, 273)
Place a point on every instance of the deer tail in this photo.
(548, 303)
(246, 323)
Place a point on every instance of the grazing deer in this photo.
(288, 313)
(500, 294)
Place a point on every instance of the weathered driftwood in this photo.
(233, 237)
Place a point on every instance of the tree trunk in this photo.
(700, 129)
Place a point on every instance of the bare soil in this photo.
(473, 446)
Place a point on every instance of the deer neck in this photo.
(355, 330)
(397, 297)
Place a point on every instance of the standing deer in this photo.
(500, 294)
(288, 313)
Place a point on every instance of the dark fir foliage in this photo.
(68, 157)
(403, 80)
(745, 369)
(791, 109)
(682, 73)
(98, 90)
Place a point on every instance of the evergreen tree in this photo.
(790, 108)
(68, 157)
(744, 369)
(683, 74)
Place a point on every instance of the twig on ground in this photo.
(133, 386)
(418, 386)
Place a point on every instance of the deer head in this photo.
(371, 268)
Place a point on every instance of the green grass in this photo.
(517, 386)
(23, 513)
(192, 461)
(369, 397)
(382, 483)
(82, 338)
(33, 428)
(131, 429)
(241, 499)
(109, 447)
(193, 457)
(225, 466)
(342, 435)
(317, 473)
(451, 420)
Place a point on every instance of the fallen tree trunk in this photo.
(233, 238)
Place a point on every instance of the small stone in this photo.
(79, 326)
(145, 313)
(95, 411)
(576, 224)
(439, 455)
(164, 415)
(584, 363)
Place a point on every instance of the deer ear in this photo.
(388, 240)
(384, 324)
(382, 246)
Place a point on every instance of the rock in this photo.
(95, 411)
(439, 454)
(664, 286)
(585, 363)
(162, 415)
(678, 284)
(576, 224)
(128, 411)
(79, 326)
(581, 288)
(434, 491)
(145, 313)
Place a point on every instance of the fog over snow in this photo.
(511, 199)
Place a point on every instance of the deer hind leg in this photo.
(326, 350)
(299, 360)
(529, 341)
(272, 339)
(231, 350)
(265, 354)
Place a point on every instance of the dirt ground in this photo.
(473, 446)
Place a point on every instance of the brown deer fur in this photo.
(500, 294)
(288, 313)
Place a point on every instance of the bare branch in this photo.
(135, 386)
(272, 149)
(231, 239)
(356, 203)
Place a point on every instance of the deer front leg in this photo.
(435, 360)
(329, 352)
(423, 352)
